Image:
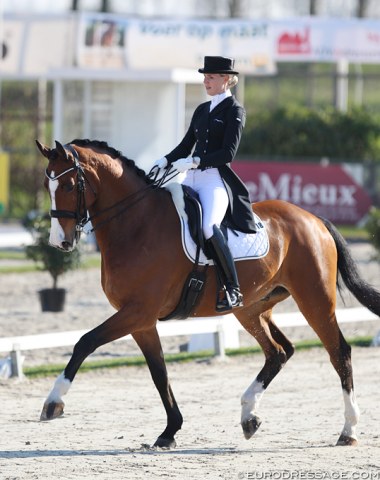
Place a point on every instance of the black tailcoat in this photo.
(214, 137)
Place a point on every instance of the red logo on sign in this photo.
(294, 43)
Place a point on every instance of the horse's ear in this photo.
(61, 150)
(43, 149)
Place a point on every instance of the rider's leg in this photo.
(220, 252)
(214, 199)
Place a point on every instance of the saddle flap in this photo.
(193, 209)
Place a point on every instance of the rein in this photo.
(81, 214)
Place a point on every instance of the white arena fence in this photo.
(214, 332)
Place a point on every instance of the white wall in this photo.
(145, 120)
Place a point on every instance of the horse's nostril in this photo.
(66, 245)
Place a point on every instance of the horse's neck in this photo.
(123, 205)
(116, 185)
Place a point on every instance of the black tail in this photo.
(362, 291)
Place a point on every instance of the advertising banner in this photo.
(4, 182)
(101, 42)
(156, 44)
(114, 42)
(256, 45)
(328, 191)
(11, 42)
(326, 40)
(35, 46)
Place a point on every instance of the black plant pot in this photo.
(52, 299)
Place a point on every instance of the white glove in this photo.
(184, 164)
(161, 163)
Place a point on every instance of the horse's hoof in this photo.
(344, 440)
(251, 426)
(166, 443)
(52, 410)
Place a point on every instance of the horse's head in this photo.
(66, 183)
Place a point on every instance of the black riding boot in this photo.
(219, 251)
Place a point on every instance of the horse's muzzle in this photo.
(67, 246)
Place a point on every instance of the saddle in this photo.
(244, 246)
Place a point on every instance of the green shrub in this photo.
(299, 132)
(373, 228)
(49, 258)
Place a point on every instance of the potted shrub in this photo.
(49, 259)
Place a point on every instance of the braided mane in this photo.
(114, 154)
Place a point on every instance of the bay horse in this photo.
(143, 267)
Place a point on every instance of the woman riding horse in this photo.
(144, 266)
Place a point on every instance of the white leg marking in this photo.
(61, 387)
(351, 414)
(57, 235)
(250, 400)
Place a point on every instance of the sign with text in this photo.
(151, 44)
(326, 40)
(107, 41)
(328, 191)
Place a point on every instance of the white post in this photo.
(341, 89)
(87, 109)
(16, 362)
(58, 110)
(180, 110)
(219, 342)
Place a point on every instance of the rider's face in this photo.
(215, 83)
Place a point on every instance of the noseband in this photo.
(80, 215)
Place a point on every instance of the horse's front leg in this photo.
(150, 345)
(120, 324)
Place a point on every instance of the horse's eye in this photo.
(68, 187)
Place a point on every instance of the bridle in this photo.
(81, 214)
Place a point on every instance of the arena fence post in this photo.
(16, 362)
(219, 342)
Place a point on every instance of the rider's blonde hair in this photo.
(232, 79)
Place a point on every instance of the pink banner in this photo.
(328, 191)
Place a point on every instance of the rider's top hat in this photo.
(218, 65)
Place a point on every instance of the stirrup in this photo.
(233, 298)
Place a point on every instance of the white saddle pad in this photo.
(243, 246)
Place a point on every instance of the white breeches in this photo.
(212, 195)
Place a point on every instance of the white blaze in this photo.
(57, 235)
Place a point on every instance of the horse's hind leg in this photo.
(324, 323)
(340, 357)
(351, 410)
(150, 344)
(277, 350)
